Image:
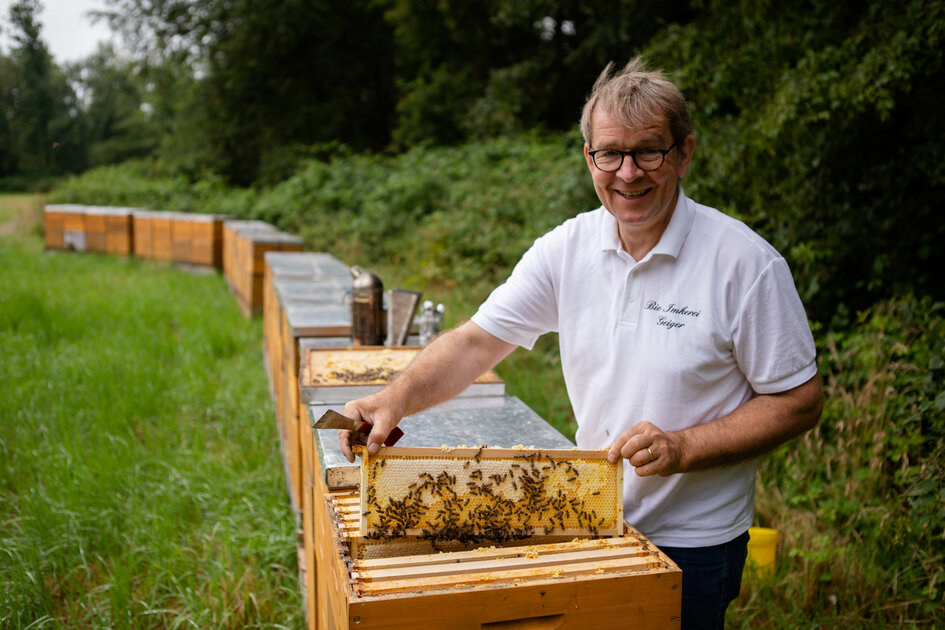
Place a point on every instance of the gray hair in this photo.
(635, 97)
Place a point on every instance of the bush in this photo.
(860, 501)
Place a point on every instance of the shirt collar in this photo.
(673, 237)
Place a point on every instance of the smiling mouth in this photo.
(632, 195)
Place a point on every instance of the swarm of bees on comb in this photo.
(488, 495)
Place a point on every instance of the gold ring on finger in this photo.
(648, 450)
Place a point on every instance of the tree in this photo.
(817, 122)
(34, 98)
(118, 124)
(272, 77)
(481, 69)
(41, 118)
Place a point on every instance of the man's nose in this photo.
(629, 168)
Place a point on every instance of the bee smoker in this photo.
(367, 308)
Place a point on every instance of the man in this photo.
(684, 345)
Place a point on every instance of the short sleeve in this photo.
(523, 308)
(773, 342)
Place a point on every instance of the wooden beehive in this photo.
(206, 240)
(579, 584)
(73, 228)
(496, 420)
(253, 247)
(343, 374)
(119, 234)
(95, 229)
(245, 244)
(54, 223)
(143, 243)
(161, 235)
(181, 237)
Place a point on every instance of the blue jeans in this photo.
(711, 579)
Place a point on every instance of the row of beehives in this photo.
(166, 236)
(351, 580)
(210, 240)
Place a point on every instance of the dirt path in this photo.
(19, 213)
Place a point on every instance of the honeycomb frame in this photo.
(477, 495)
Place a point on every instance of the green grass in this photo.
(140, 479)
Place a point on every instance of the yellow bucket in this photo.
(762, 549)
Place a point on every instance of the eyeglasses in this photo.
(610, 160)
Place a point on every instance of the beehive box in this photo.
(119, 233)
(54, 224)
(181, 236)
(331, 375)
(578, 584)
(232, 265)
(73, 228)
(206, 240)
(245, 244)
(143, 243)
(161, 235)
(95, 229)
(319, 323)
(496, 420)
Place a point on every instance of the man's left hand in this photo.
(650, 450)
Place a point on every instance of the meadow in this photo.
(141, 484)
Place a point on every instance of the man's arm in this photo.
(442, 370)
(754, 428)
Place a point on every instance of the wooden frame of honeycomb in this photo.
(479, 495)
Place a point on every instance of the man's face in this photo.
(641, 201)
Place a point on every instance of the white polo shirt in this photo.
(687, 334)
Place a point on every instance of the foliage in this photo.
(273, 76)
(39, 135)
(140, 476)
(117, 126)
(814, 122)
(154, 185)
(474, 70)
(58, 120)
(460, 215)
(860, 501)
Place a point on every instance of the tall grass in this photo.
(140, 480)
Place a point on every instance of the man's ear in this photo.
(685, 152)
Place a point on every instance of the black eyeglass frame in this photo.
(633, 156)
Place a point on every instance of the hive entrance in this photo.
(476, 495)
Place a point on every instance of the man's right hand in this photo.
(443, 369)
(378, 414)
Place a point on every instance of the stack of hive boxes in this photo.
(64, 227)
(544, 580)
(245, 244)
(305, 294)
(180, 237)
